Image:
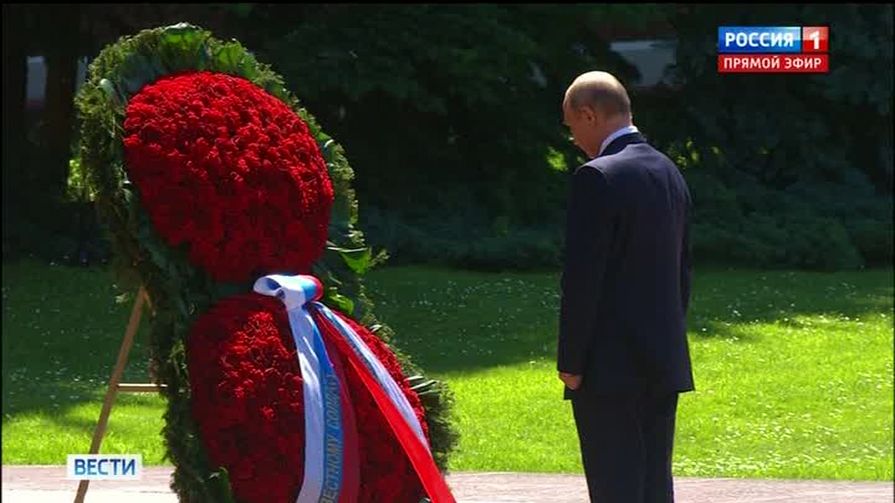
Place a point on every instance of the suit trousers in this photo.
(626, 445)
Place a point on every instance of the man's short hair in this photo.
(608, 98)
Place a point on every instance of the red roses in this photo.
(229, 170)
(233, 174)
(247, 400)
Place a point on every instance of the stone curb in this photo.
(47, 484)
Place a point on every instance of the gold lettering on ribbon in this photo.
(334, 444)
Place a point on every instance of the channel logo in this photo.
(773, 49)
(104, 466)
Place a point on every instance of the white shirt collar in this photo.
(621, 132)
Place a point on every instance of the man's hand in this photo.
(572, 381)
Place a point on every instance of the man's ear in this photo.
(589, 115)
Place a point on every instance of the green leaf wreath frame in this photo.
(179, 291)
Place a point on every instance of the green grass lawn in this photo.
(793, 370)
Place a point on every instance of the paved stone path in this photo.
(47, 484)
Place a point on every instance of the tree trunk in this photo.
(14, 68)
(62, 63)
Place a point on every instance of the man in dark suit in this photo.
(622, 349)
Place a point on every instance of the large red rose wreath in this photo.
(230, 171)
(247, 399)
(231, 174)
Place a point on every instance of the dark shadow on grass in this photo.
(417, 303)
(726, 301)
(446, 320)
(56, 399)
(62, 330)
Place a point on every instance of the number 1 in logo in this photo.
(815, 39)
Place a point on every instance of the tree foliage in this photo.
(790, 170)
(451, 116)
(448, 113)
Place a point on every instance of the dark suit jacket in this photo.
(626, 277)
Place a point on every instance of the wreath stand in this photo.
(115, 384)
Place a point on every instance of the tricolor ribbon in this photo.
(331, 462)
